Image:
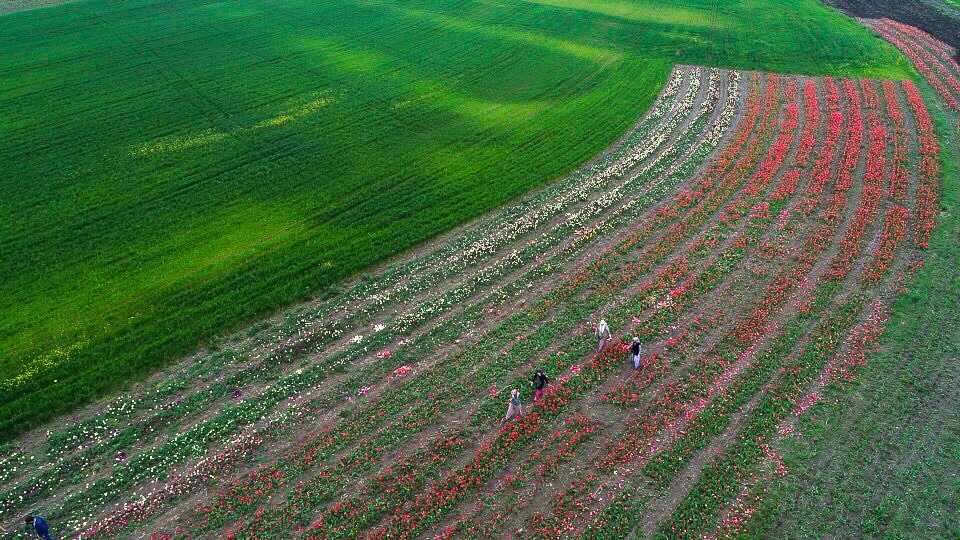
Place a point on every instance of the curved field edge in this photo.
(305, 339)
(152, 299)
(878, 459)
(705, 278)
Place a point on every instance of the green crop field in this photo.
(173, 169)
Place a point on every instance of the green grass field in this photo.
(173, 169)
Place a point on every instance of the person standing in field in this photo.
(515, 408)
(603, 334)
(540, 381)
(635, 350)
(39, 526)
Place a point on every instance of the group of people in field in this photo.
(540, 380)
(514, 409)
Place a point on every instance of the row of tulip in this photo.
(836, 367)
(691, 431)
(513, 492)
(695, 287)
(940, 70)
(722, 476)
(928, 188)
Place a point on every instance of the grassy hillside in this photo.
(174, 168)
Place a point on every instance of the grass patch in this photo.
(174, 170)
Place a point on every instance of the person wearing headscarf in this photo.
(603, 334)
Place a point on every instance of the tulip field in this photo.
(933, 58)
(753, 229)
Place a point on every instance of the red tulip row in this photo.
(940, 71)
(920, 36)
(741, 461)
(712, 421)
(701, 425)
(381, 494)
(429, 507)
(899, 175)
(874, 178)
(823, 163)
(894, 231)
(627, 392)
(934, 52)
(928, 190)
(754, 480)
(682, 400)
(662, 412)
(683, 296)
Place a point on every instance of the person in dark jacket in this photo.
(635, 351)
(39, 526)
(540, 382)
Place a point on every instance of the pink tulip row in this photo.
(899, 175)
(824, 161)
